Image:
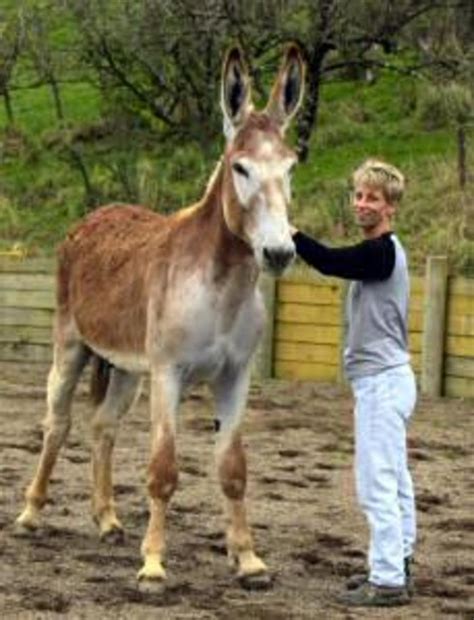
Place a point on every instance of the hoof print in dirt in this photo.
(116, 536)
(260, 581)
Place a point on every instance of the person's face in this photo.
(372, 211)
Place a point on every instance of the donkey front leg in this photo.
(231, 394)
(162, 472)
(69, 360)
(120, 396)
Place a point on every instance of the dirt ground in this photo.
(300, 498)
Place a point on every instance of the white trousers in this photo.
(383, 405)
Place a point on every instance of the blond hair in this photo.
(383, 176)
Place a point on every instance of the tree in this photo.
(447, 48)
(142, 57)
(339, 36)
(42, 52)
(161, 60)
(11, 44)
(361, 34)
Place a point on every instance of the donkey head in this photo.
(258, 163)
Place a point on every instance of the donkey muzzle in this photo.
(276, 260)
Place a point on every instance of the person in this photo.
(377, 365)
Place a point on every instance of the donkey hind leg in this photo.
(68, 363)
(122, 391)
(162, 472)
(230, 393)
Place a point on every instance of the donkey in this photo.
(176, 297)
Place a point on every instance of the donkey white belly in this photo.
(207, 346)
(132, 362)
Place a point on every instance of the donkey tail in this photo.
(100, 378)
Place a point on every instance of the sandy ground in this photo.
(301, 505)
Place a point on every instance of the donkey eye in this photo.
(240, 170)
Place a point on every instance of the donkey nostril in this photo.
(278, 259)
(285, 258)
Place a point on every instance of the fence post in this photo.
(434, 315)
(263, 366)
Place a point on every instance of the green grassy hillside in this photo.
(42, 192)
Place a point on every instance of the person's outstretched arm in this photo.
(372, 259)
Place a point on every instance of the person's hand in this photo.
(293, 230)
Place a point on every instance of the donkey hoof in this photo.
(151, 586)
(257, 581)
(152, 578)
(114, 536)
(152, 572)
(26, 523)
(21, 531)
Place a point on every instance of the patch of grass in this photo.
(34, 108)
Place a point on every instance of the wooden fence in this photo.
(459, 341)
(305, 330)
(26, 309)
(310, 325)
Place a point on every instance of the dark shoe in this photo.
(355, 581)
(370, 595)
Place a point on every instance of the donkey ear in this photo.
(235, 93)
(287, 92)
